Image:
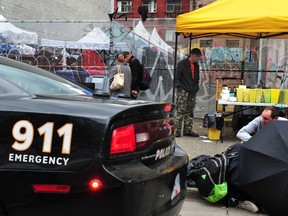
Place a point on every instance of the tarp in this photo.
(94, 40)
(236, 18)
(14, 35)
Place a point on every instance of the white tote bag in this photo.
(118, 80)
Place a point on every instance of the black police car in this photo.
(66, 151)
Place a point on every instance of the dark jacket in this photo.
(137, 73)
(183, 79)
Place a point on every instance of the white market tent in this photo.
(94, 40)
(56, 43)
(25, 49)
(157, 40)
(14, 35)
(153, 39)
(141, 33)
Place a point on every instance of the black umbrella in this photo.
(264, 167)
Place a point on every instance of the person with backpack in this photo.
(136, 71)
(217, 178)
(187, 84)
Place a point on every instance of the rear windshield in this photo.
(8, 89)
(40, 83)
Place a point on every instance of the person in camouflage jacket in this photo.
(187, 84)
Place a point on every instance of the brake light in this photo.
(95, 184)
(167, 108)
(51, 188)
(123, 140)
(140, 136)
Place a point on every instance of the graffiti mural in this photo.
(266, 66)
(274, 60)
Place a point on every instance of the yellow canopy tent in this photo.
(253, 19)
(236, 18)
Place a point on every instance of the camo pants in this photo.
(185, 104)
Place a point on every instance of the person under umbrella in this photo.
(269, 113)
(264, 167)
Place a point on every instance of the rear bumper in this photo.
(158, 189)
(129, 189)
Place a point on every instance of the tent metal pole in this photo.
(243, 60)
(175, 64)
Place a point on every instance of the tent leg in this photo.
(243, 60)
(242, 69)
(175, 64)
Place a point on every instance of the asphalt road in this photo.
(194, 204)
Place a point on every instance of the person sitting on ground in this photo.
(269, 113)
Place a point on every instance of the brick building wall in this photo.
(161, 9)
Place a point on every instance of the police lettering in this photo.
(164, 152)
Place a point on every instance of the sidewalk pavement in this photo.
(194, 204)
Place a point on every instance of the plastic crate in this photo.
(214, 134)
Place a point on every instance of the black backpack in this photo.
(210, 178)
(146, 80)
(194, 165)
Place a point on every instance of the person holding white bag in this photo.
(121, 67)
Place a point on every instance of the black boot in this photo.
(191, 133)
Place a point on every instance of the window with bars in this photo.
(151, 5)
(205, 43)
(124, 6)
(173, 6)
(170, 35)
(232, 43)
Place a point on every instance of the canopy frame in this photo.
(233, 19)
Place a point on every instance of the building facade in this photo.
(158, 9)
(35, 15)
(156, 13)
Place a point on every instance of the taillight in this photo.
(140, 136)
(167, 108)
(95, 184)
(123, 140)
(51, 188)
